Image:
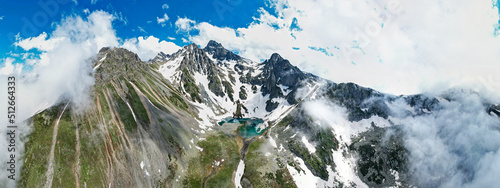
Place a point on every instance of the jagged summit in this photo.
(277, 67)
(160, 57)
(213, 44)
(113, 63)
(196, 60)
(275, 58)
(219, 52)
(278, 73)
(119, 53)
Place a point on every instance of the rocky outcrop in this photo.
(219, 52)
(114, 63)
(276, 75)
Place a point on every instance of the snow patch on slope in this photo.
(308, 145)
(239, 174)
(345, 169)
(170, 71)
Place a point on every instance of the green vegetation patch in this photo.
(190, 86)
(178, 101)
(65, 153)
(92, 160)
(317, 167)
(37, 148)
(254, 159)
(135, 102)
(124, 112)
(228, 88)
(215, 148)
(243, 93)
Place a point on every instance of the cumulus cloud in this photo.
(393, 46)
(148, 48)
(61, 70)
(10, 68)
(184, 24)
(40, 42)
(457, 145)
(163, 20)
(64, 65)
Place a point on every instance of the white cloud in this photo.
(165, 6)
(2, 17)
(184, 24)
(457, 145)
(148, 48)
(86, 11)
(63, 66)
(162, 21)
(419, 43)
(62, 69)
(40, 42)
(93, 2)
(171, 38)
(10, 68)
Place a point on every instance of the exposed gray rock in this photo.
(219, 52)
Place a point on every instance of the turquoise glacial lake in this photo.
(249, 127)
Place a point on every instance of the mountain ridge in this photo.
(158, 124)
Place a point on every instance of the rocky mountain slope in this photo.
(166, 123)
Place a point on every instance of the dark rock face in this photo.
(299, 122)
(378, 156)
(219, 52)
(494, 109)
(161, 57)
(356, 98)
(195, 60)
(422, 102)
(278, 71)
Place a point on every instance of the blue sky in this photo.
(394, 46)
(134, 18)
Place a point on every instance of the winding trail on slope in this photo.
(50, 168)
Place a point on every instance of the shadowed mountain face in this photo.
(155, 124)
(219, 52)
